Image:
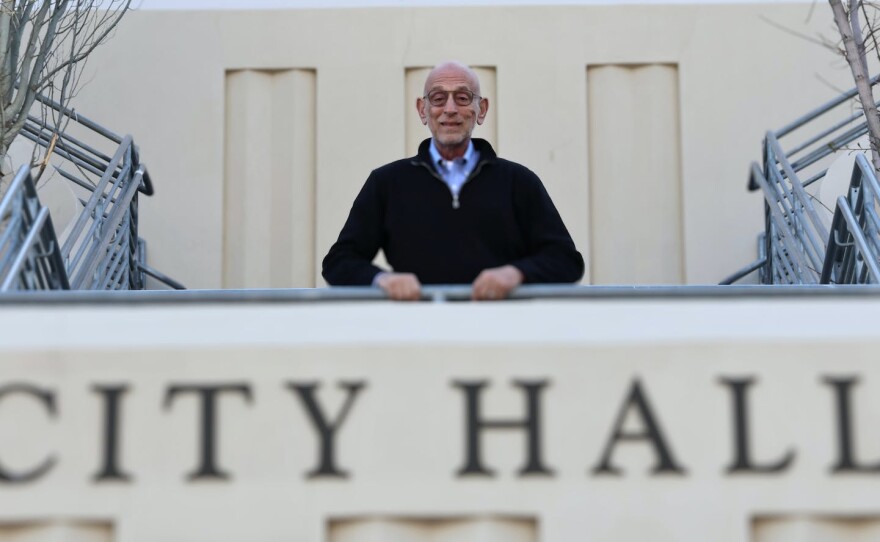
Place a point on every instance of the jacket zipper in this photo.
(455, 203)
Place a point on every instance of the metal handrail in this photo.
(799, 247)
(822, 109)
(102, 249)
(108, 229)
(435, 293)
(795, 265)
(862, 267)
(854, 245)
(29, 242)
(29, 253)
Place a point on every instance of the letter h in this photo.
(474, 424)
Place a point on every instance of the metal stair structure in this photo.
(797, 246)
(101, 250)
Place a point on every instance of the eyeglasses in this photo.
(438, 98)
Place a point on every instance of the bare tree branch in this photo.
(850, 31)
(43, 47)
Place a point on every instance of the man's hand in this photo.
(400, 286)
(496, 283)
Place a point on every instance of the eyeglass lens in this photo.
(460, 97)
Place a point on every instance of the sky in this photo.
(280, 4)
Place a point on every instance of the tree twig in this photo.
(849, 28)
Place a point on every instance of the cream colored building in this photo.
(259, 127)
(689, 414)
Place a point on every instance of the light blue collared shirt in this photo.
(455, 172)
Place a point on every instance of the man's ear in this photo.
(484, 108)
(420, 107)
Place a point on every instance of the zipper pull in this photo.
(455, 204)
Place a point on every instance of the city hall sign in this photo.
(327, 425)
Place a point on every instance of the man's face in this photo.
(452, 124)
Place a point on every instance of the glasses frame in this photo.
(473, 95)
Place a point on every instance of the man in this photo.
(455, 213)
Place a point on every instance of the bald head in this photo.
(455, 109)
(453, 69)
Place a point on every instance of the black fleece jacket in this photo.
(503, 216)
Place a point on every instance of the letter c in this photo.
(48, 399)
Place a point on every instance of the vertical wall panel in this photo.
(486, 530)
(245, 242)
(483, 529)
(293, 180)
(816, 529)
(57, 532)
(636, 232)
(378, 530)
(416, 132)
(269, 179)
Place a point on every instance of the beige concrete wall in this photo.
(635, 175)
(164, 78)
(269, 179)
(403, 440)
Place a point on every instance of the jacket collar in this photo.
(487, 153)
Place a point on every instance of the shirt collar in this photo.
(467, 158)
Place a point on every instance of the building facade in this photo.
(610, 414)
(259, 127)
